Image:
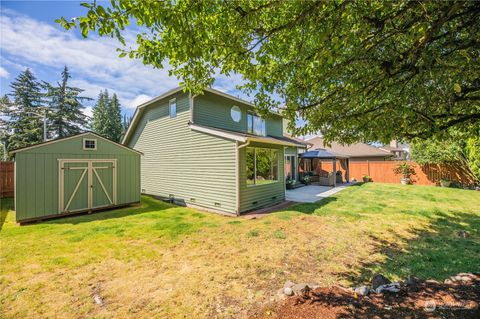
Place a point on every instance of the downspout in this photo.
(284, 178)
(237, 173)
(190, 98)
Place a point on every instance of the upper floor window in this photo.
(255, 124)
(236, 113)
(89, 144)
(172, 107)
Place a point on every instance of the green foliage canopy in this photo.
(456, 149)
(107, 117)
(23, 111)
(66, 103)
(354, 70)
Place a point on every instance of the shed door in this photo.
(86, 184)
(75, 186)
(103, 184)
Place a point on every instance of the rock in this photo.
(379, 280)
(412, 283)
(393, 287)
(463, 234)
(98, 300)
(313, 286)
(464, 277)
(300, 289)
(288, 284)
(280, 295)
(362, 290)
(288, 291)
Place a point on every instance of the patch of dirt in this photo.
(429, 299)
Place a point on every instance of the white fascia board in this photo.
(230, 136)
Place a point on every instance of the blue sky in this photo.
(29, 38)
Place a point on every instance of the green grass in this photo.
(161, 260)
(429, 248)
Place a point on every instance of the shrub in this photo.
(405, 169)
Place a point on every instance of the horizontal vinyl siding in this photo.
(262, 194)
(291, 151)
(37, 174)
(213, 110)
(184, 163)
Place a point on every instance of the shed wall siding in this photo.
(193, 167)
(255, 196)
(37, 174)
(213, 110)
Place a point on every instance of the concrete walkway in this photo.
(313, 193)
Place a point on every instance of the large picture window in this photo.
(255, 124)
(261, 165)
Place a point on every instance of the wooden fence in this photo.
(6, 179)
(383, 172)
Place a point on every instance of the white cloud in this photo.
(142, 98)
(88, 111)
(93, 62)
(3, 73)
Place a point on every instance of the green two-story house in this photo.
(211, 151)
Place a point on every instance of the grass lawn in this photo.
(164, 261)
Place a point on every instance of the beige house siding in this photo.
(213, 110)
(255, 196)
(192, 167)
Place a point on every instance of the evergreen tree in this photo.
(68, 118)
(107, 117)
(100, 114)
(125, 124)
(26, 127)
(4, 125)
(114, 119)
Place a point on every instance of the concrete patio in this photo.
(313, 193)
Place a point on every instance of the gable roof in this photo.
(141, 107)
(244, 137)
(299, 140)
(352, 150)
(18, 150)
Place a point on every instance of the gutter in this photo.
(190, 99)
(237, 173)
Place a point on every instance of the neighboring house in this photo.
(211, 151)
(400, 151)
(355, 152)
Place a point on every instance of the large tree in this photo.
(455, 148)
(25, 111)
(354, 70)
(114, 119)
(100, 115)
(4, 125)
(107, 117)
(65, 101)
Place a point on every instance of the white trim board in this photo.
(75, 136)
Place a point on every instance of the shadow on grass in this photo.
(309, 208)
(6, 205)
(147, 205)
(438, 252)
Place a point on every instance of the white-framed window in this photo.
(90, 144)
(255, 124)
(261, 165)
(172, 107)
(236, 113)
